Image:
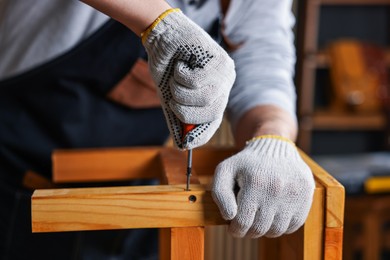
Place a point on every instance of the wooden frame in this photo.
(181, 215)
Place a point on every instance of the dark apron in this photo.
(64, 104)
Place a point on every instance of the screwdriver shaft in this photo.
(189, 168)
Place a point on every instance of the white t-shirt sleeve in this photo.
(33, 33)
(265, 62)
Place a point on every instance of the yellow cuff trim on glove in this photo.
(146, 33)
(271, 137)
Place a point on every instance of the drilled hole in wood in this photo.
(192, 198)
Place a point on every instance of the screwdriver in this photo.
(186, 129)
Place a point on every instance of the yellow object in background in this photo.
(377, 184)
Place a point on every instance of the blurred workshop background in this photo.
(344, 111)
(343, 85)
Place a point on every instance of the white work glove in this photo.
(193, 73)
(275, 188)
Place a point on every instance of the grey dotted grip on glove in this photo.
(276, 189)
(194, 76)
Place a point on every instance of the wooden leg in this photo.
(179, 243)
(182, 243)
(372, 232)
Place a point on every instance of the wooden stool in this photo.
(181, 215)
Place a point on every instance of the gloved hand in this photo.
(193, 73)
(275, 188)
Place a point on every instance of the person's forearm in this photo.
(265, 120)
(137, 15)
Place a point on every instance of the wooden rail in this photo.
(123, 207)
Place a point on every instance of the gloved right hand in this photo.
(193, 73)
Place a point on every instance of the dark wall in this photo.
(366, 23)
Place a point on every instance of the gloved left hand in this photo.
(275, 188)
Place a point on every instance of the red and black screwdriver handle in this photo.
(187, 128)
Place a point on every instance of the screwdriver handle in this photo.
(187, 128)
